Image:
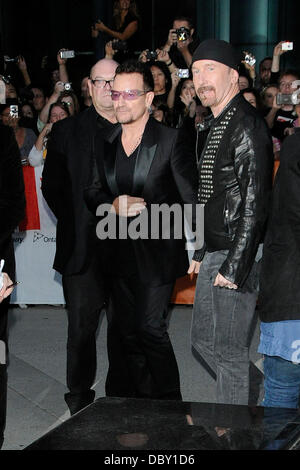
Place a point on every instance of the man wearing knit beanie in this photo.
(235, 170)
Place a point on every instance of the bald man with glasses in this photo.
(77, 258)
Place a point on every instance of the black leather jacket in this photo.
(236, 212)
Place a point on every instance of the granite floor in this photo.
(36, 371)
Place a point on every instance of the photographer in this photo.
(70, 99)
(10, 70)
(278, 51)
(184, 103)
(181, 42)
(25, 137)
(57, 112)
(281, 116)
(59, 88)
(162, 79)
(264, 74)
(158, 55)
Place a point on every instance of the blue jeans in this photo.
(282, 383)
(222, 328)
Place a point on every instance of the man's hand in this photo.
(186, 97)
(4, 292)
(278, 49)
(275, 105)
(59, 59)
(194, 267)
(128, 206)
(172, 39)
(289, 131)
(59, 88)
(100, 26)
(175, 79)
(221, 281)
(21, 63)
(163, 55)
(183, 45)
(94, 32)
(47, 128)
(109, 50)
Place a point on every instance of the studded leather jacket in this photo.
(235, 180)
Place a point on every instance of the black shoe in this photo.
(77, 401)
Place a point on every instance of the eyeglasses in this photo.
(128, 95)
(101, 83)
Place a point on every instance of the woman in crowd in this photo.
(185, 102)
(71, 100)
(253, 97)
(268, 95)
(58, 111)
(25, 137)
(29, 116)
(162, 79)
(245, 79)
(160, 111)
(10, 91)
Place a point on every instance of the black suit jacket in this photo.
(65, 174)
(12, 198)
(279, 296)
(165, 173)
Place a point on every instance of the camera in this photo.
(250, 59)
(291, 99)
(119, 45)
(287, 46)
(183, 73)
(151, 55)
(67, 54)
(67, 86)
(14, 111)
(6, 79)
(182, 33)
(14, 60)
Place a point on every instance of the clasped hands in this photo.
(128, 206)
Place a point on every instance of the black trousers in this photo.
(138, 328)
(3, 365)
(85, 297)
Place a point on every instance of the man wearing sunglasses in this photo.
(145, 163)
(65, 174)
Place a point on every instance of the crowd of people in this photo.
(175, 103)
(134, 138)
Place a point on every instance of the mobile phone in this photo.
(282, 98)
(250, 59)
(67, 54)
(14, 111)
(287, 46)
